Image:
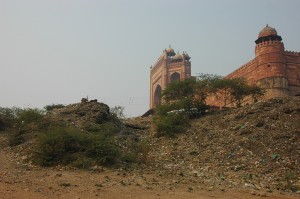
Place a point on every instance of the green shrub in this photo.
(138, 152)
(103, 150)
(2, 124)
(82, 162)
(58, 146)
(107, 128)
(70, 146)
(17, 117)
(16, 138)
(163, 109)
(30, 115)
(171, 124)
(9, 116)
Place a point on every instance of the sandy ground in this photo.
(19, 180)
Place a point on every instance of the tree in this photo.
(118, 111)
(182, 95)
(179, 90)
(192, 93)
(256, 92)
(235, 90)
(9, 116)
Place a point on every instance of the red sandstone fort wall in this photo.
(293, 71)
(273, 69)
(246, 71)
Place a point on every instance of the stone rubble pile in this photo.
(82, 115)
(253, 147)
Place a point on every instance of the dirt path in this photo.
(20, 180)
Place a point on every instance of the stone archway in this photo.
(174, 77)
(157, 95)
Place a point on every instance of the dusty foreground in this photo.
(250, 152)
(19, 180)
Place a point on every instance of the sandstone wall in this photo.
(156, 78)
(293, 71)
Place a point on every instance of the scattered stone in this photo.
(190, 189)
(263, 195)
(64, 184)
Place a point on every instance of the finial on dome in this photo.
(170, 51)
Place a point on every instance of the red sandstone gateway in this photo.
(168, 68)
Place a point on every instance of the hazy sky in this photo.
(59, 51)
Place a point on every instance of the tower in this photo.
(271, 71)
(168, 68)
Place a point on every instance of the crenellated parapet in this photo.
(157, 63)
(239, 71)
(179, 64)
(291, 53)
(269, 42)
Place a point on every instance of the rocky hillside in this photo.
(255, 147)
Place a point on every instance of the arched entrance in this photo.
(157, 95)
(175, 76)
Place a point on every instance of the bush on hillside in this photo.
(171, 124)
(2, 125)
(16, 138)
(103, 150)
(30, 115)
(138, 152)
(67, 146)
(20, 118)
(9, 116)
(107, 128)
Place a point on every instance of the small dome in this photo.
(177, 56)
(186, 56)
(170, 51)
(267, 31)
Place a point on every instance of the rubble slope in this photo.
(256, 146)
